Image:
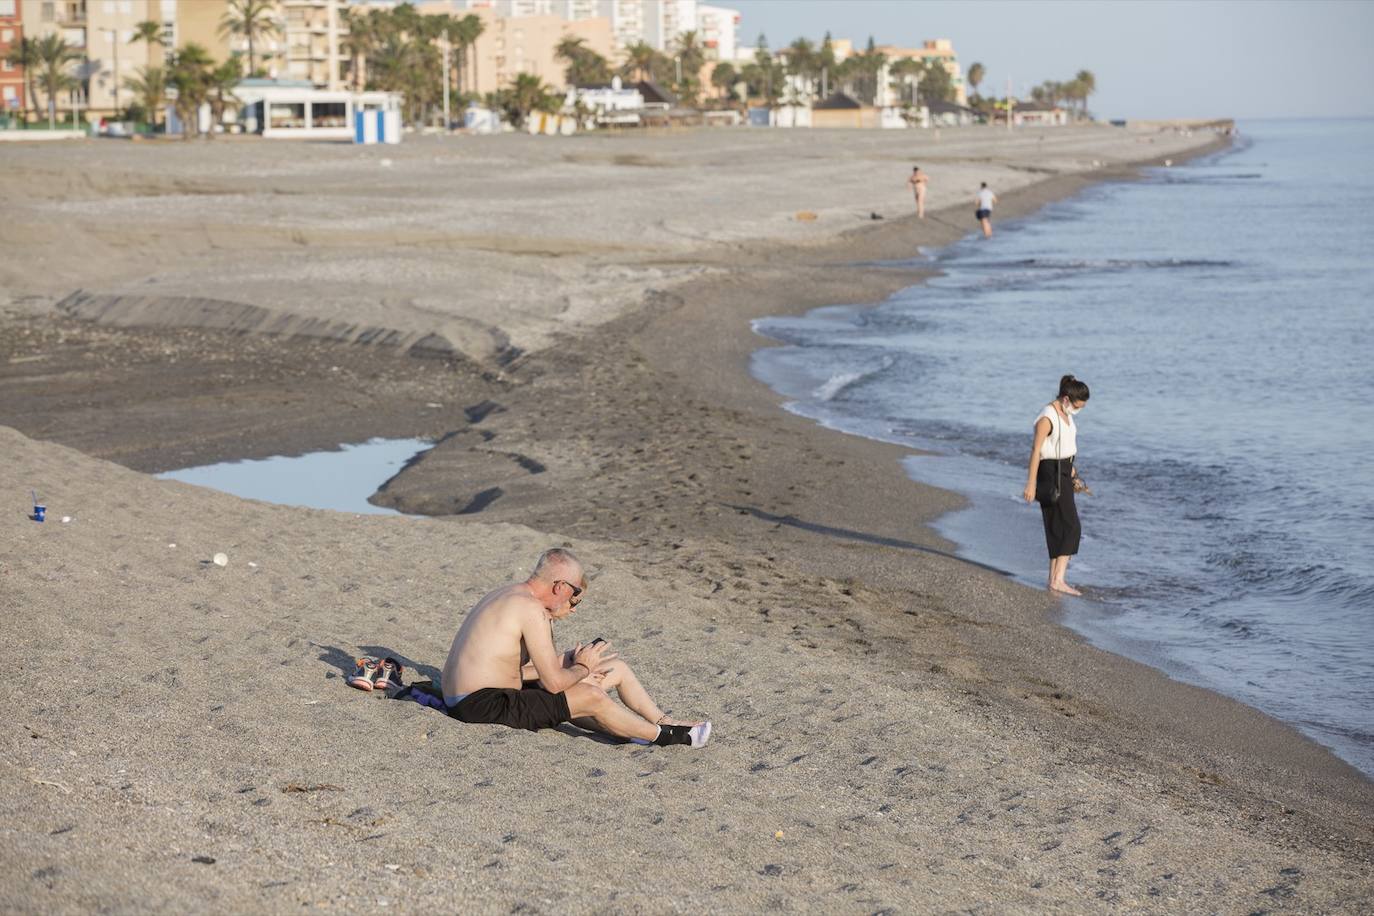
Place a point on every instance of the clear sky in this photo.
(1152, 59)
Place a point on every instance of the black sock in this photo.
(673, 734)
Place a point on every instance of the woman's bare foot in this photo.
(1064, 587)
(690, 723)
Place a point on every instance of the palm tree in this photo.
(408, 19)
(569, 49)
(251, 20)
(691, 58)
(190, 78)
(219, 86)
(529, 94)
(724, 77)
(451, 30)
(858, 75)
(1087, 85)
(904, 77)
(641, 59)
(936, 83)
(54, 58)
(470, 28)
(825, 59)
(585, 66)
(147, 31)
(976, 72)
(364, 32)
(803, 62)
(765, 75)
(24, 55)
(151, 88)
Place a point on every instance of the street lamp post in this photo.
(447, 52)
(677, 61)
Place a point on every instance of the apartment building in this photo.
(526, 44)
(940, 50)
(312, 31)
(102, 32)
(628, 20)
(655, 22)
(665, 20)
(572, 10)
(307, 44)
(11, 75)
(718, 31)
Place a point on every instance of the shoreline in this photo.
(868, 688)
(1084, 616)
(1022, 203)
(683, 344)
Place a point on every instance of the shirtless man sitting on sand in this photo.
(503, 668)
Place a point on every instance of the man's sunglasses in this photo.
(576, 592)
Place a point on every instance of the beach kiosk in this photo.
(279, 108)
(376, 123)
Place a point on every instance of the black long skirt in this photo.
(1062, 529)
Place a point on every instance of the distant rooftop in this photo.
(839, 101)
(260, 82)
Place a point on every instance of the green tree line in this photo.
(1074, 93)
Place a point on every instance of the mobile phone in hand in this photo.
(595, 641)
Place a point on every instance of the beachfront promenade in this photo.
(895, 729)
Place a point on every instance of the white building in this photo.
(613, 104)
(627, 20)
(718, 29)
(294, 108)
(312, 31)
(665, 20)
(627, 16)
(655, 22)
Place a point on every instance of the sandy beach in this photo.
(896, 729)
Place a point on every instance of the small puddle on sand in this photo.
(341, 480)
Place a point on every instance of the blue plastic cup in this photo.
(38, 512)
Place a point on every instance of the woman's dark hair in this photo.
(915, 168)
(1073, 389)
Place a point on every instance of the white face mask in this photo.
(1070, 409)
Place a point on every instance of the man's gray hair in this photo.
(557, 562)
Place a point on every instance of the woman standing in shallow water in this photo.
(1052, 474)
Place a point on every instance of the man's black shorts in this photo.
(531, 707)
(981, 214)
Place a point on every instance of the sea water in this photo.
(341, 479)
(1222, 313)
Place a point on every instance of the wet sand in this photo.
(918, 729)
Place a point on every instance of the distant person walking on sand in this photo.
(503, 668)
(917, 183)
(1053, 478)
(984, 212)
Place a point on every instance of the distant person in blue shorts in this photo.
(984, 212)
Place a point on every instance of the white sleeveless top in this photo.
(1062, 442)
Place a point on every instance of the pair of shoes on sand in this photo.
(372, 674)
